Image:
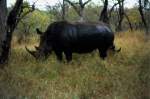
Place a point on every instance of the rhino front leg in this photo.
(103, 53)
(59, 55)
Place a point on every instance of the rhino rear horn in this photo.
(38, 31)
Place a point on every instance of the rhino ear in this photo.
(38, 31)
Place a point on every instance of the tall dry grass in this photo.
(125, 75)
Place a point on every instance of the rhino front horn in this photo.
(37, 48)
(33, 53)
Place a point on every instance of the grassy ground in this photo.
(121, 76)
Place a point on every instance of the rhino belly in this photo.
(87, 45)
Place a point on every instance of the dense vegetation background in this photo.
(125, 75)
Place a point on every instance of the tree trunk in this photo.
(121, 14)
(63, 10)
(3, 16)
(81, 14)
(3, 29)
(129, 22)
(104, 13)
(143, 18)
(8, 26)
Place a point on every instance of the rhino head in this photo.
(44, 48)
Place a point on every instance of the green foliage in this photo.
(28, 25)
(33, 20)
(134, 15)
(37, 19)
(92, 13)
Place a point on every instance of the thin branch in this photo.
(128, 21)
(86, 2)
(112, 8)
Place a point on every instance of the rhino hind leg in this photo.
(103, 53)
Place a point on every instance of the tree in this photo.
(79, 7)
(8, 25)
(121, 14)
(146, 4)
(58, 10)
(26, 27)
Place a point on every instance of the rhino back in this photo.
(87, 34)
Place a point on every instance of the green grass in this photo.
(125, 75)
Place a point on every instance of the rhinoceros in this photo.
(65, 37)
